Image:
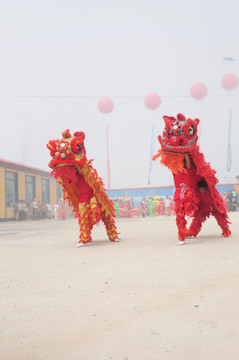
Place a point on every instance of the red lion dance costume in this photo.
(81, 185)
(195, 181)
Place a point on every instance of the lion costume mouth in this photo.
(177, 148)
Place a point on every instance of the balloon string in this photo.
(108, 159)
(151, 154)
(229, 150)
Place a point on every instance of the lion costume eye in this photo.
(191, 130)
(77, 144)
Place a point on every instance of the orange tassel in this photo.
(175, 162)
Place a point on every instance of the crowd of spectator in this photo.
(155, 205)
(125, 207)
(60, 210)
(34, 210)
(150, 206)
(231, 200)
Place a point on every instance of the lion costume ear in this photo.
(80, 133)
(195, 121)
(166, 120)
(52, 147)
(169, 119)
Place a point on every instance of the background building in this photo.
(21, 182)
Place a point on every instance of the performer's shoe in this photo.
(80, 244)
(116, 240)
(181, 242)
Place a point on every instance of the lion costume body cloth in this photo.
(180, 153)
(81, 185)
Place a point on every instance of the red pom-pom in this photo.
(181, 117)
(66, 134)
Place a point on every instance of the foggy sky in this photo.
(59, 58)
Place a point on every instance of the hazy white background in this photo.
(122, 50)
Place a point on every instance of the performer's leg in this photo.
(181, 222)
(110, 227)
(85, 224)
(223, 223)
(94, 211)
(196, 224)
(186, 206)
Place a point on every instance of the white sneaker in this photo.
(80, 244)
(116, 240)
(181, 242)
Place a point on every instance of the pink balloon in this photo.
(198, 91)
(105, 105)
(152, 101)
(230, 81)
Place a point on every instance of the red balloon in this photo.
(152, 101)
(105, 105)
(230, 81)
(198, 91)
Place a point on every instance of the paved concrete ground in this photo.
(144, 298)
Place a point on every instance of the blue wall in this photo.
(137, 194)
